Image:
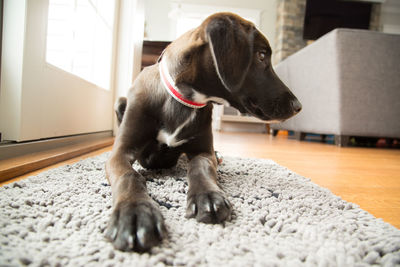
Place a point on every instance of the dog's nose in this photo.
(296, 105)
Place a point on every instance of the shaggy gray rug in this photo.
(58, 217)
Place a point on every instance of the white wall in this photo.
(158, 25)
(390, 16)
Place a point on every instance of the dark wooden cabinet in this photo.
(152, 51)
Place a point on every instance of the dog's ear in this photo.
(231, 45)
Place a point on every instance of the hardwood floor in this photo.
(369, 177)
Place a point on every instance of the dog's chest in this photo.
(171, 138)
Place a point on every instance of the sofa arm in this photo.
(348, 82)
(368, 64)
(312, 75)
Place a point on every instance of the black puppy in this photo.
(168, 112)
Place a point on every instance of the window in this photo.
(80, 38)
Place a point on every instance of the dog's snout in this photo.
(296, 105)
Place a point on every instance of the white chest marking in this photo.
(170, 138)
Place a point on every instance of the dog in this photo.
(168, 112)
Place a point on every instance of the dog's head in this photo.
(240, 55)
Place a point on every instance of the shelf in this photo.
(238, 118)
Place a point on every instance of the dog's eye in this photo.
(261, 55)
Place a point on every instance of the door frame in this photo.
(25, 113)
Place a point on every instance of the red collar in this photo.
(172, 89)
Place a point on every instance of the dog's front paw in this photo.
(209, 207)
(136, 226)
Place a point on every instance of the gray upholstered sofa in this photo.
(349, 84)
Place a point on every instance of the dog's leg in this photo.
(136, 222)
(206, 201)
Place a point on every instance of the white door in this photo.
(57, 68)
